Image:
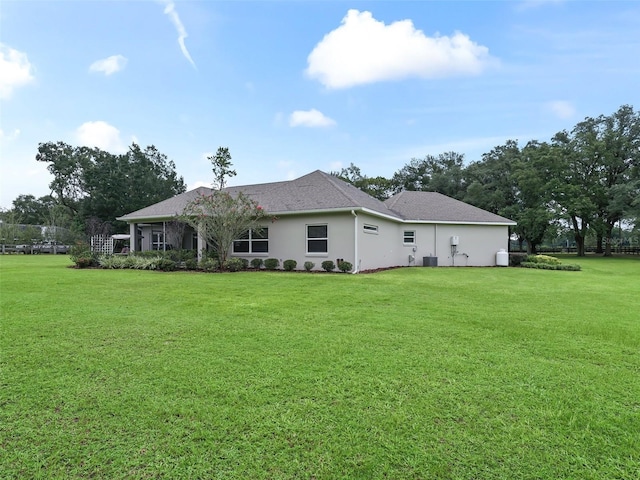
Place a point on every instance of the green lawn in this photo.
(421, 373)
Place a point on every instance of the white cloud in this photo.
(9, 136)
(198, 184)
(170, 10)
(15, 70)
(562, 109)
(102, 135)
(364, 50)
(310, 118)
(109, 65)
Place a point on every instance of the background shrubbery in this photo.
(545, 262)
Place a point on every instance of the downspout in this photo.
(435, 240)
(355, 241)
(164, 236)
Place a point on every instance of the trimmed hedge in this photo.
(551, 266)
(545, 259)
(328, 265)
(234, 264)
(289, 265)
(257, 263)
(345, 267)
(271, 263)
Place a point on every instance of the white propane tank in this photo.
(502, 258)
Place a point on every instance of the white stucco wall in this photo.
(478, 244)
(288, 239)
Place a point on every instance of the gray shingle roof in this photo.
(166, 208)
(321, 191)
(315, 191)
(435, 207)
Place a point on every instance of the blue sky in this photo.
(295, 86)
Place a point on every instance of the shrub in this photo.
(257, 263)
(191, 264)
(165, 264)
(328, 265)
(233, 264)
(516, 259)
(209, 264)
(289, 265)
(345, 267)
(570, 267)
(551, 266)
(545, 259)
(271, 263)
(308, 266)
(82, 256)
(113, 261)
(245, 263)
(84, 262)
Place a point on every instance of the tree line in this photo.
(587, 179)
(92, 187)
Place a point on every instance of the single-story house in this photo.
(320, 217)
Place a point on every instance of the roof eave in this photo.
(462, 222)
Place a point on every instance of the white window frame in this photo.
(250, 240)
(325, 238)
(412, 234)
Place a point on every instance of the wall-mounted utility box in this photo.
(455, 240)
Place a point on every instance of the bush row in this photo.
(171, 260)
(545, 262)
(549, 266)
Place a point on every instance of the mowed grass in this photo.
(421, 373)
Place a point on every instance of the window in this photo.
(157, 240)
(370, 228)
(409, 236)
(253, 241)
(317, 239)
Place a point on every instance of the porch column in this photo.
(201, 243)
(133, 231)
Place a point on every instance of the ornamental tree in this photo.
(222, 218)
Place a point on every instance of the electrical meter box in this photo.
(455, 240)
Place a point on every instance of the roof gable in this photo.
(314, 191)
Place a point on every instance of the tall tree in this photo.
(378, 187)
(572, 189)
(616, 140)
(531, 210)
(597, 183)
(32, 210)
(66, 164)
(221, 165)
(93, 183)
(442, 174)
(491, 185)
